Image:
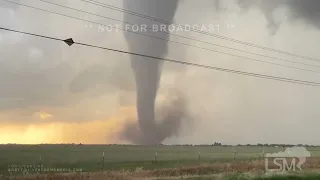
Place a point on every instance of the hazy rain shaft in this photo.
(147, 72)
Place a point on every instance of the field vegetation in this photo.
(74, 161)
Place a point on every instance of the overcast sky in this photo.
(50, 92)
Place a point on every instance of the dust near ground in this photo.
(169, 119)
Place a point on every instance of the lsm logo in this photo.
(291, 159)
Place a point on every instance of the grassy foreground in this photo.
(136, 162)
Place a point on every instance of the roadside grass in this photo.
(138, 162)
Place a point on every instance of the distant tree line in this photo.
(278, 145)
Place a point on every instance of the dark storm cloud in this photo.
(228, 109)
(217, 5)
(36, 72)
(31, 71)
(27, 80)
(4, 4)
(306, 10)
(102, 75)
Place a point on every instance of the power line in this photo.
(163, 39)
(97, 3)
(70, 42)
(185, 37)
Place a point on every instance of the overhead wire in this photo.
(163, 39)
(302, 82)
(94, 2)
(184, 37)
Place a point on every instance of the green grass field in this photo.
(88, 158)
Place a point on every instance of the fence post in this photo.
(156, 158)
(40, 164)
(234, 155)
(199, 156)
(102, 164)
